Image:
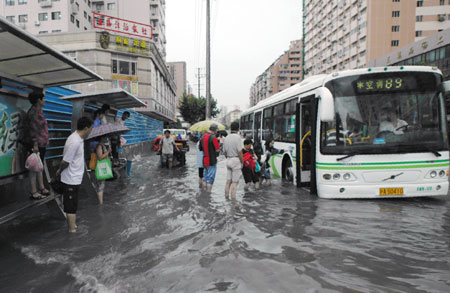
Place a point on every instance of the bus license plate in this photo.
(391, 191)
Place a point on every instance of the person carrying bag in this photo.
(103, 168)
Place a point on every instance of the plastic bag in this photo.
(103, 170)
(123, 141)
(57, 185)
(257, 167)
(34, 163)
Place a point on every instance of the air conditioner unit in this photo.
(358, 46)
(37, 23)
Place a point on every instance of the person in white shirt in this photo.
(71, 169)
(167, 144)
(390, 122)
(232, 149)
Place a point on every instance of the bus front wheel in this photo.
(288, 171)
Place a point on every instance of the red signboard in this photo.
(114, 24)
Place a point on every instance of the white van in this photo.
(177, 132)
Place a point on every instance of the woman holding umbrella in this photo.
(103, 149)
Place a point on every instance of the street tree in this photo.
(193, 109)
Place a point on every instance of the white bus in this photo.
(363, 133)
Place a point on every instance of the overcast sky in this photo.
(246, 37)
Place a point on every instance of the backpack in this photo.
(249, 161)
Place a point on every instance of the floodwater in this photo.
(157, 233)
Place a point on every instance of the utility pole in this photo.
(208, 64)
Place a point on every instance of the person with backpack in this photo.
(211, 148)
(38, 134)
(249, 170)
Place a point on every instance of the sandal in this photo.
(40, 196)
(44, 192)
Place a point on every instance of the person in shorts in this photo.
(232, 149)
(166, 144)
(71, 169)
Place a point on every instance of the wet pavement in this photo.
(157, 233)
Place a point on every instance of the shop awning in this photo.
(116, 98)
(26, 59)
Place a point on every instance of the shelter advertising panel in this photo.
(12, 135)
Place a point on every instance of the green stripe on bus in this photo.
(387, 163)
(381, 167)
(272, 163)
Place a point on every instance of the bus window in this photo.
(257, 126)
(268, 124)
(284, 121)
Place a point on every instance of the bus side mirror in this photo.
(326, 104)
(446, 85)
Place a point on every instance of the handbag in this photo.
(93, 161)
(257, 167)
(34, 163)
(103, 170)
(57, 185)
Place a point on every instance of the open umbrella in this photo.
(203, 126)
(108, 130)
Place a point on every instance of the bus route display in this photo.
(385, 84)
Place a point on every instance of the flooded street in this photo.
(157, 233)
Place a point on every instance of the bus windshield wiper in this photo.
(347, 156)
(436, 153)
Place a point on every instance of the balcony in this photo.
(45, 4)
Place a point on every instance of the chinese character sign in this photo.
(114, 24)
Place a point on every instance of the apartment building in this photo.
(345, 34)
(64, 16)
(178, 72)
(284, 72)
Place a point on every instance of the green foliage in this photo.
(193, 109)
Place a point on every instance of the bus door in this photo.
(257, 126)
(304, 141)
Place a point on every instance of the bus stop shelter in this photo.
(26, 64)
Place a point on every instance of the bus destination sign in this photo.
(380, 85)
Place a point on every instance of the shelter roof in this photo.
(26, 59)
(116, 98)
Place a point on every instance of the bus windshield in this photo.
(386, 113)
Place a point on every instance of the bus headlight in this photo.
(441, 173)
(433, 174)
(326, 176)
(336, 176)
(347, 176)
